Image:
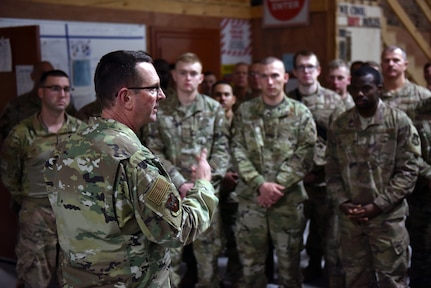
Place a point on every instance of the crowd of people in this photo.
(172, 166)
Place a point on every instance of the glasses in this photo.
(302, 68)
(58, 89)
(152, 90)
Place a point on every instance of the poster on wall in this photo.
(76, 48)
(278, 13)
(235, 44)
(355, 23)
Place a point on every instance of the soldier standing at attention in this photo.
(188, 122)
(399, 92)
(372, 165)
(322, 103)
(117, 209)
(272, 147)
(23, 157)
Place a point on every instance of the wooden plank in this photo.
(426, 8)
(408, 24)
(223, 8)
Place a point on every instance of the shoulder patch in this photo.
(158, 191)
(172, 203)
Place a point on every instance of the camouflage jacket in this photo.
(117, 210)
(378, 164)
(273, 144)
(24, 153)
(180, 133)
(406, 99)
(322, 105)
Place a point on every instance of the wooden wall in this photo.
(318, 36)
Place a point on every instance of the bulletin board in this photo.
(76, 48)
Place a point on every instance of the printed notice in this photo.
(5, 56)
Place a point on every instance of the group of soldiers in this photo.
(346, 159)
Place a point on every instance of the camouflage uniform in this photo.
(377, 164)
(177, 137)
(117, 210)
(419, 220)
(20, 108)
(322, 104)
(272, 144)
(23, 157)
(92, 109)
(348, 102)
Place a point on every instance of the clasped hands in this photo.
(269, 194)
(360, 213)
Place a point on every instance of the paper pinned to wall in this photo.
(24, 83)
(5, 55)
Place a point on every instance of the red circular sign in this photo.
(284, 10)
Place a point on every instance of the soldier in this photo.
(322, 103)
(186, 123)
(27, 104)
(253, 79)
(272, 147)
(338, 79)
(23, 158)
(372, 165)
(240, 84)
(399, 92)
(222, 92)
(117, 209)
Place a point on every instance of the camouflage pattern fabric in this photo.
(379, 165)
(23, 157)
(117, 209)
(178, 135)
(323, 105)
(272, 144)
(418, 223)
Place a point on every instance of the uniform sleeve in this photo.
(334, 180)
(406, 168)
(219, 157)
(242, 162)
(293, 169)
(12, 161)
(155, 142)
(161, 214)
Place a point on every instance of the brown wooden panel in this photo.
(169, 43)
(25, 47)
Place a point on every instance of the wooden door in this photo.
(169, 43)
(25, 48)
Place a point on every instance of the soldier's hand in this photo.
(184, 189)
(203, 169)
(269, 194)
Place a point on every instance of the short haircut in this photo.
(116, 70)
(393, 48)
(304, 53)
(338, 63)
(52, 73)
(221, 82)
(188, 57)
(365, 70)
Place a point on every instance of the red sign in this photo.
(285, 12)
